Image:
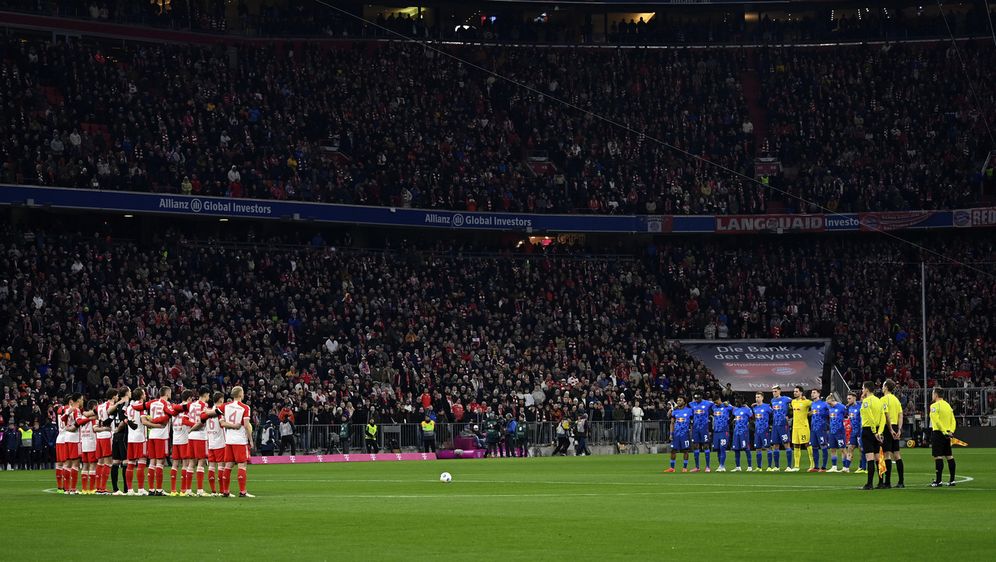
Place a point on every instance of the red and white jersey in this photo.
(60, 418)
(235, 413)
(134, 413)
(72, 428)
(88, 438)
(157, 409)
(215, 433)
(194, 411)
(181, 432)
(102, 417)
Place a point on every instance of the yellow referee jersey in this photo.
(942, 417)
(873, 414)
(893, 408)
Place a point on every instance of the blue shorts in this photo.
(837, 440)
(780, 436)
(720, 441)
(700, 436)
(762, 439)
(819, 439)
(741, 441)
(680, 442)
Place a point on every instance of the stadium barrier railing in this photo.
(973, 406)
(407, 437)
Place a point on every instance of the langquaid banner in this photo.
(752, 365)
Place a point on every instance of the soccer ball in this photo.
(445, 477)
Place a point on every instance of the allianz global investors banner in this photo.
(752, 365)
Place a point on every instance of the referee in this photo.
(872, 428)
(942, 420)
(893, 434)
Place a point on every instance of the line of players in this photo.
(836, 432)
(209, 435)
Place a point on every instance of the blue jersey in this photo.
(700, 414)
(819, 411)
(780, 408)
(682, 420)
(854, 414)
(741, 419)
(762, 417)
(837, 415)
(721, 418)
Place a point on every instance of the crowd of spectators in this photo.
(392, 125)
(858, 128)
(881, 128)
(317, 332)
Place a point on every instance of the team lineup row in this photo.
(824, 429)
(209, 437)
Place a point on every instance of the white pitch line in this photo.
(961, 479)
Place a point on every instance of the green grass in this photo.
(590, 508)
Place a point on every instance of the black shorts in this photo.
(119, 447)
(889, 443)
(940, 444)
(869, 444)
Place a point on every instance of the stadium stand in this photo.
(394, 330)
(246, 122)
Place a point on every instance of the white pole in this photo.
(923, 333)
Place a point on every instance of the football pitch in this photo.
(588, 508)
